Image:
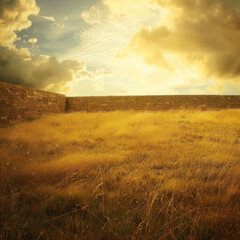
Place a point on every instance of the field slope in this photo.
(122, 175)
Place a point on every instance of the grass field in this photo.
(122, 175)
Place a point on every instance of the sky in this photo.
(121, 47)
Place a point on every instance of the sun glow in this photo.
(152, 44)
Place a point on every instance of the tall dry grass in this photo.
(122, 175)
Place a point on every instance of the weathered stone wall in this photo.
(151, 102)
(23, 103)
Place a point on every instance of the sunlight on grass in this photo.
(122, 175)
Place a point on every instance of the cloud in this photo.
(217, 88)
(42, 72)
(14, 17)
(202, 35)
(98, 86)
(48, 18)
(120, 8)
(85, 74)
(137, 11)
(66, 18)
(32, 40)
(58, 26)
(95, 14)
(102, 72)
(17, 66)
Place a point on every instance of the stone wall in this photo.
(152, 103)
(23, 103)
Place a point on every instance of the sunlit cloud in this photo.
(19, 66)
(48, 18)
(199, 40)
(98, 86)
(14, 17)
(58, 26)
(217, 88)
(96, 14)
(65, 18)
(128, 47)
(32, 40)
(42, 72)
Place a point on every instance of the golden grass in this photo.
(122, 175)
